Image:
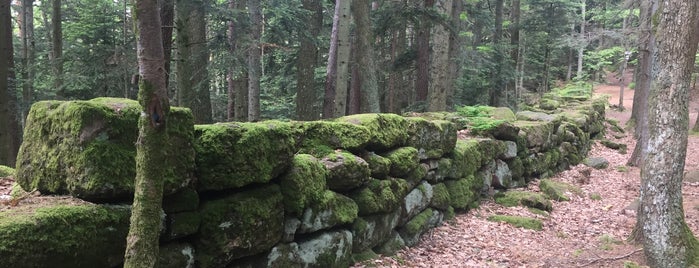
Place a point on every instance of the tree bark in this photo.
(582, 41)
(57, 49)
(667, 240)
(237, 77)
(422, 79)
(343, 57)
(167, 17)
(151, 164)
(366, 57)
(192, 68)
(9, 127)
(306, 64)
(254, 60)
(496, 92)
(439, 71)
(28, 54)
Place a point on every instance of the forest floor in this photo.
(584, 232)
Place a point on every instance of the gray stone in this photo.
(345, 171)
(176, 255)
(486, 173)
(331, 249)
(392, 245)
(370, 231)
(535, 116)
(510, 151)
(424, 221)
(502, 177)
(335, 209)
(290, 227)
(417, 200)
(596, 162)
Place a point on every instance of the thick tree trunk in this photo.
(57, 49)
(142, 241)
(254, 60)
(343, 58)
(306, 64)
(439, 71)
(366, 57)
(667, 240)
(9, 128)
(192, 67)
(422, 79)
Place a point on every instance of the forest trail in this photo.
(584, 232)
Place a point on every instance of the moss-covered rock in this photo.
(6, 171)
(63, 233)
(87, 148)
(417, 200)
(527, 199)
(176, 255)
(502, 113)
(364, 256)
(370, 231)
(380, 196)
(466, 159)
(412, 230)
(549, 104)
(403, 161)
(558, 191)
(303, 184)
(432, 139)
(440, 197)
(386, 131)
(232, 155)
(346, 171)
(537, 134)
(516, 168)
(329, 249)
(464, 193)
(392, 245)
(321, 137)
(239, 225)
(379, 165)
(182, 224)
(490, 149)
(332, 210)
(519, 222)
(506, 131)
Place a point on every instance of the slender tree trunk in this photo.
(514, 47)
(354, 106)
(57, 49)
(455, 49)
(167, 17)
(366, 57)
(237, 84)
(497, 78)
(28, 54)
(254, 60)
(306, 64)
(331, 70)
(423, 57)
(439, 71)
(667, 240)
(142, 241)
(9, 127)
(627, 53)
(192, 68)
(582, 41)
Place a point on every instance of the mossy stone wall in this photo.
(273, 194)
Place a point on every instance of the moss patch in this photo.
(519, 222)
(6, 171)
(432, 138)
(233, 155)
(380, 196)
(386, 131)
(527, 199)
(303, 184)
(331, 210)
(345, 170)
(379, 165)
(558, 190)
(403, 161)
(466, 159)
(319, 138)
(464, 193)
(440, 198)
(63, 235)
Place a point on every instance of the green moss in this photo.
(432, 138)
(557, 190)
(519, 222)
(379, 165)
(466, 158)
(364, 256)
(185, 200)
(490, 149)
(182, 224)
(539, 212)
(449, 213)
(440, 198)
(403, 161)
(464, 192)
(386, 131)
(336, 209)
(527, 199)
(6, 171)
(380, 196)
(303, 184)
(63, 235)
(419, 223)
(240, 225)
(233, 155)
(319, 138)
(345, 170)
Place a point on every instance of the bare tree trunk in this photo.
(254, 60)
(26, 22)
(306, 63)
(439, 71)
(422, 80)
(167, 17)
(455, 48)
(343, 55)
(331, 70)
(9, 128)
(582, 41)
(366, 57)
(144, 231)
(497, 77)
(57, 49)
(667, 240)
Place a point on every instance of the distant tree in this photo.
(422, 78)
(167, 17)
(9, 128)
(306, 63)
(144, 231)
(366, 57)
(57, 48)
(192, 66)
(254, 60)
(26, 27)
(236, 74)
(667, 240)
(439, 71)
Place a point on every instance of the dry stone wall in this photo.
(271, 194)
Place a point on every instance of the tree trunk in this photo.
(514, 47)
(167, 17)
(306, 64)
(667, 240)
(498, 59)
(331, 70)
(439, 71)
(254, 60)
(237, 77)
(422, 80)
(142, 241)
(9, 128)
(455, 48)
(28, 54)
(366, 57)
(343, 55)
(582, 41)
(57, 49)
(192, 67)
(639, 111)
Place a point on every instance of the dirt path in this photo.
(585, 232)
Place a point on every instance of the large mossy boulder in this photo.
(404, 160)
(87, 149)
(345, 170)
(539, 135)
(432, 139)
(233, 155)
(465, 192)
(386, 131)
(239, 225)
(63, 233)
(321, 137)
(380, 196)
(303, 184)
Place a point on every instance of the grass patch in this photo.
(607, 242)
(519, 222)
(595, 196)
(622, 169)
